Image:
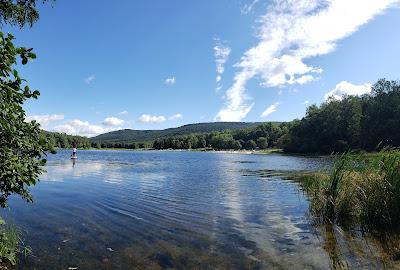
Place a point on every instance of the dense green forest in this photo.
(353, 122)
(365, 122)
(62, 140)
(262, 136)
(127, 136)
(122, 145)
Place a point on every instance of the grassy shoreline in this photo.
(360, 190)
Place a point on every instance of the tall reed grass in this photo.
(360, 190)
(11, 245)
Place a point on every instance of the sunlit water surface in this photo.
(183, 210)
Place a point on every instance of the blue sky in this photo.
(156, 64)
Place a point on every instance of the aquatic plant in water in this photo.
(360, 190)
(10, 245)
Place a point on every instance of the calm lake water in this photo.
(182, 210)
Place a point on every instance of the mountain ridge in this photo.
(131, 135)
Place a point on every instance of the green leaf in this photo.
(35, 94)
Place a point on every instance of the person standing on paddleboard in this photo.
(74, 150)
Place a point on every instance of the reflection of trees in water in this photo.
(349, 250)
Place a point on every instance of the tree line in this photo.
(369, 122)
(62, 140)
(260, 137)
(120, 145)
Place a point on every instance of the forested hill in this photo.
(367, 122)
(129, 135)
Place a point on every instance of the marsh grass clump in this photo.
(360, 190)
(10, 245)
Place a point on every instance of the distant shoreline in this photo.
(247, 152)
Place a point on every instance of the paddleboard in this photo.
(74, 157)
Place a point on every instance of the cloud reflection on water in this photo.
(281, 238)
(67, 170)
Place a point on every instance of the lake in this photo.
(182, 210)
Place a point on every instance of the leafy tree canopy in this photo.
(19, 12)
(369, 122)
(22, 146)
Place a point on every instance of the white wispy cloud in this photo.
(290, 32)
(249, 7)
(271, 109)
(147, 118)
(123, 113)
(113, 122)
(175, 116)
(346, 88)
(90, 79)
(170, 81)
(306, 102)
(82, 128)
(45, 119)
(221, 54)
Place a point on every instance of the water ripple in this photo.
(180, 210)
